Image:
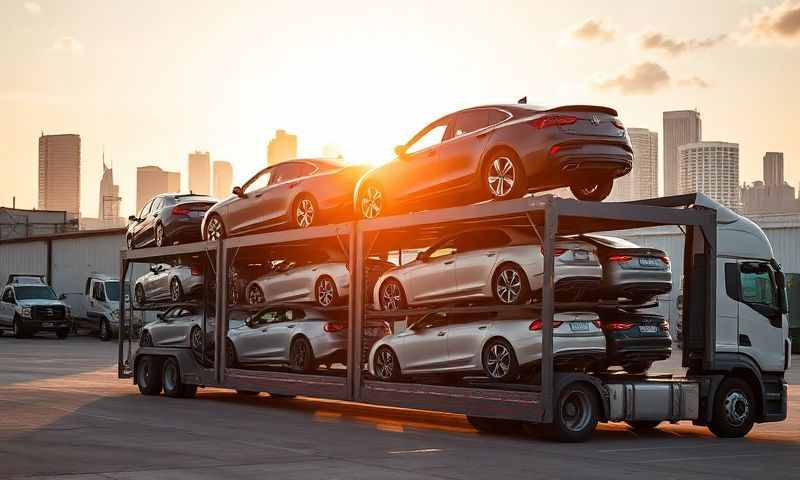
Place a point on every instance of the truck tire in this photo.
(148, 375)
(172, 381)
(734, 409)
(62, 333)
(19, 331)
(105, 331)
(576, 413)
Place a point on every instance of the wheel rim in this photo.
(299, 357)
(159, 235)
(170, 377)
(589, 190)
(325, 292)
(509, 286)
(498, 361)
(502, 176)
(391, 297)
(146, 340)
(255, 296)
(197, 340)
(576, 411)
(384, 364)
(214, 229)
(176, 290)
(737, 408)
(139, 294)
(304, 214)
(371, 202)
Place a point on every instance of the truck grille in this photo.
(56, 312)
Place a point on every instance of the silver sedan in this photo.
(498, 346)
(504, 264)
(168, 283)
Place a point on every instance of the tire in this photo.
(62, 333)
(19, 330)
(499, 361)
(214, 229)
(171, 379)
(494, 425)
(196, 344)
(148, 375)
(504, 176)
(576, 414)
(325, 292)
(593, 193)
(637, 368)
(371, 201)
(105, 331)
(129, 242)
(301, 356)
(391, 296)
(231, 359)
(175, 290)
(159, 235)
(734, 409)
(510, 285)
(305, 212)
(643, 425)
(138, 293)
(146, 340)
(255, 295)
(387, 367)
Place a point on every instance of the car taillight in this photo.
(554, 149)
(597, 323)
(665, 259)
(196, 271)
(553, 121)
(538, 324)
(557, 252)
(333, 327)
(617, 123)
(664, 326)
(181, 210)
(620, 258)
(619, 326)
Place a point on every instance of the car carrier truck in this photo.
(735, 341)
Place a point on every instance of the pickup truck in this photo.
(97, 307)
(28, 305)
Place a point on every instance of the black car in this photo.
(634, 340)
(168, 219)
(500, 152)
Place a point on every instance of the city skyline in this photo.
(60, 173)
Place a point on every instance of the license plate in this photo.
(47, 324)
(649, 262)
(648, 328)
(581, 254)
(579, 326)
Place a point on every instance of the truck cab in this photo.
(28, 306)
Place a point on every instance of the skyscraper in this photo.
(643, 178)
(150, 181)
(680, 127)
(108, 206)
(223, 179)
(281, 148)
(773, 168)
(199, 172)
(711, 168)
(60, 173)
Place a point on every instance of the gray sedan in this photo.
(499, 346)
(167, 283)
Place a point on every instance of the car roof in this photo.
(103, 277)
(26, 279)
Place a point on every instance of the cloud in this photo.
(67, 44)
(641, 79)
(659, 41)
(777, 24)
(695, 82)
(33, 8)
(592, 30)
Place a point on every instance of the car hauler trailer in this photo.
(735, 337)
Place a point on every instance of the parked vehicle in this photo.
(503, 264)
(296, 193)
(166, 282)
(635, 340)
(500, 152)
(167, 219)
(500, 347)
(27, 278)
(97, 307)
(630, 271)
(28, 308)
(182, 326)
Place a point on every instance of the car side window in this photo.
(497, 116)
(289, 171)
(146, 209)
(484, 239)
(470, 121)
(433, 320)
(8, 295)
(433, 135)
(157, 205)
(261, 180)
(97, 292)
(272, 316)
(444, 250)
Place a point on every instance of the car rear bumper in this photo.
(638, 349)
(585, 160)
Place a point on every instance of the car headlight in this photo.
(26, 312)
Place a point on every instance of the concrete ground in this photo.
(66, 415)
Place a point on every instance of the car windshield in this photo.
(112, 291)
(35, 292)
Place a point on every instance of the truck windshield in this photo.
(112, 291)
(35, 292)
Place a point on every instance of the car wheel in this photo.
(62, 333)
(304, 212)
(500, 361)
(255, 296)
(301, 356)
(387, 368)
(593, 192)
(504, 176)
(129, 242)
(637, 368)
(510, 285)
(371, 201)
(159, 234)
(576, 413)
(138, 293)
(171, 379)
(19, 331)
(175, 290)
(231, 360)
(215, 229)
(326, 292)
(146, 339)
(391, 296)
(148, 375)
(643, 425)
(105, 331)
(196, 343)
(734, 409)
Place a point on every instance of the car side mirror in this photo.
(400, 151)
(154, 268)
(133, 218)
(238, 192)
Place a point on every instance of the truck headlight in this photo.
(26, 312)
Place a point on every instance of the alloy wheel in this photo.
(392, 297)
(589, 190)
(325, 292)
(175, 290)
(502, 176)
(139, 294)
(304, 214)
(197, 340)
(737, 408)
(372, 202)
(384, 364)
(214, 229)
(255, 296)
(159, 235)
(509, 286)
(498, 360)
(299, 353)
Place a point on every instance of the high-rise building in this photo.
(711, 168)
(680, 127)
(150, 181)
(773, 168)
(199, 172)
(108, 205)
(60, 173)
(223, 179)
(281, 148)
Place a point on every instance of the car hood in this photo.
(35, 301)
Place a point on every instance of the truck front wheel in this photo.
(105, 331)
(734, 409)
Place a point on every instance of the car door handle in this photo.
(264, 329)
(441, 334)
(289, 326)
(258, 195)
(492, 254)
(483, 327)
(449, 262)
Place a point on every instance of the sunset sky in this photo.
(153, 81)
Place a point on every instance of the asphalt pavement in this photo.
(66, 415)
